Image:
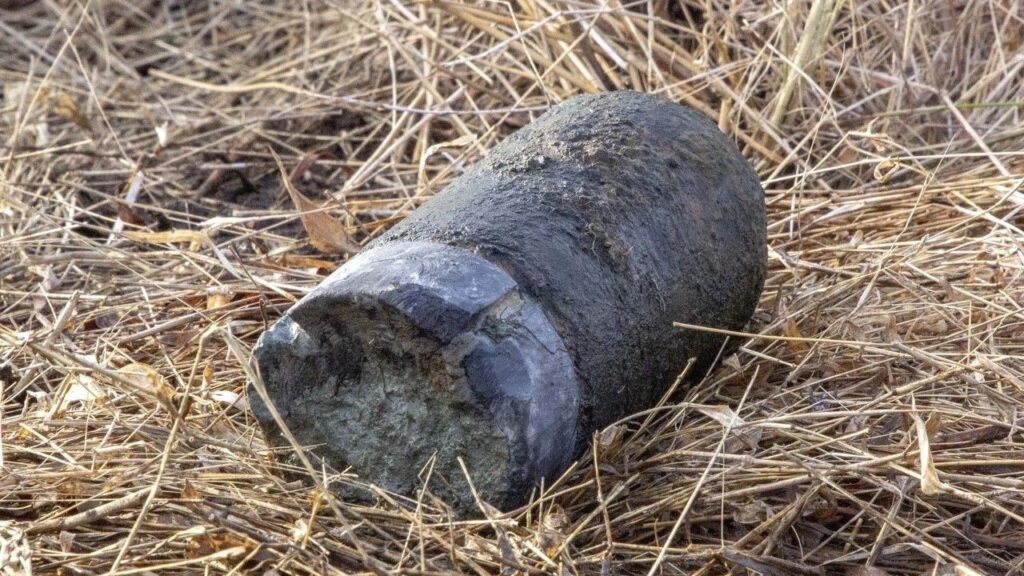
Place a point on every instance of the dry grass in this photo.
(143, 227)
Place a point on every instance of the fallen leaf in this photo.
(228, 398)
(724, 415)
(933, 324)
(50, 280)
(207, 379)
(67, 540)
(189, 492)
(953, 570)
(729, 420)
(751, 513)
(892, 330)
(300, 531)
(64, 105)
(508, 553)
(792, 330)
(930, 482)
(490, 511)
(217, 545)
(298, 261)
(552, 533)
(610, 439)
(129, 215)
(463, 140)
(217, 297)
(555, 519)
(857, 239)
(733, 361)
(83, 390)
(191, 532)
(72, 489)
(325, 233)
(161, 134)
(885, 169)
(218, 222)
(195, 238)
(147, 378)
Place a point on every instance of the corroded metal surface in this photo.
(567, 253)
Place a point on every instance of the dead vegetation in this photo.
(146, 240)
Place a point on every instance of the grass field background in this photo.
(146, 240)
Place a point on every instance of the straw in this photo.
(144, 224)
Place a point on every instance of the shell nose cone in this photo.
(420, 350)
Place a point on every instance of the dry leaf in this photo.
(129, 215)
(67, 540)
(555, 519)
(729, 420)
(161, 134)
(552, 533)
(192, 532)
(930, 482)
(73, 489)
(83, 391)
(189, 493)
(857, 239)
(306, 262)
(733, 361)
(229, 398)
(195, 238)
(217, 545)
(325, 233)
(752, 513)
(65, 106)
(300, 531)
(490, 511)
(792, 330)
(217, 297)
(508, 554)
(934, 324)
(315, 498)
(463, 140)
(953, 570)
(892, 330)
(610, 439)
(724, 415)
(7, 374)
(147, 378)
(885, 169)
(49, 284)
(207, 379)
